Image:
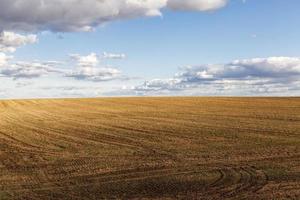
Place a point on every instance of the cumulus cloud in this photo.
(10, 41)
(87, 69)
(78, 15)
(90, 60)
(250, 76)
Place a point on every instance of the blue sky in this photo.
(160, 51)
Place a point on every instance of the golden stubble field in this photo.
(150, 148)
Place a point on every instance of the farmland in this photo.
(150, 148)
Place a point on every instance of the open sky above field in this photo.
(90, 48)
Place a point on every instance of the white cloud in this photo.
(272, 67)
(273, 75)
(79, 15)
(90, 60)
(196, 5)
(4, 59)
(10, 41)
(87, 69)
(159, 85)
(280, 68)
(113, 55)
(27, 70)
(95, 74)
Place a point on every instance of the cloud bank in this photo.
(79, 15)
(273, 75)
(80, 67)
(257, 76)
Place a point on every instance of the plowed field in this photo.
(150, 148)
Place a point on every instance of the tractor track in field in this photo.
(82, 126)
(246, 180)
(149, 148)
(46, 131)
(249, 180)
